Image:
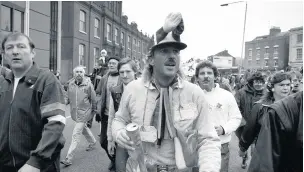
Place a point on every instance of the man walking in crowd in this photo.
(182, 117)
(108, 81)
(222, 107)
(297, 81)
(127, 69)
(82, 100)
(32, 111)
(279, 147)
(245, 99)
(278, 87)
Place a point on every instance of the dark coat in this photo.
(245, 99)
(279, 147)
(102, 91)
(253, 125)
(116, 93)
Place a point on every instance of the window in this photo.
(96, 27)
(139, 48)
(129, 41)
(266, 50)
(116, 36)
(258, 62)
(109, 32)
(96, 56)
(81, 54)
(134, 42)
(249, 62)
(122, 39)
(276, 63)
(18, 21)
(300, 38)
(266, 62)
(258, 52)
(82, 21)
(6, 18)
(299, 53)
(275, 50)
(53, 36)
(249, 54)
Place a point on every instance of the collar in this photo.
(30, 77)
(177, 83)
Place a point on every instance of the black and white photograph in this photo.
(151, 86)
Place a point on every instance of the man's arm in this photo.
(52, 109)
(209, 144)
(234, 116)
(93, 97)
(251, 128)
(269, 144)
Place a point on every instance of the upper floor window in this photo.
(11, 19)
(96, 27)
(250, 54)
(275, 50)
(116, 36)
(258, 52)
(299, 53)
(300, 38)
(139, 46)
(96, 56)
(266, 50)
(129, 41)
(122, 39)
(82, 21)
(109, 32)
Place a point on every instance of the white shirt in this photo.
(224, 110)
(16, 81)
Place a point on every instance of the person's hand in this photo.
(123, 140)
(219, 130)
(28, 168)
(111, 148)
(172, 21)
(242, 153)
(97, 118)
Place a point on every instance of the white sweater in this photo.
(224, 111)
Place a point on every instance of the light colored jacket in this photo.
(224, 111)
(82, 100)
(189, 106)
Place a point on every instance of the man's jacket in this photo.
(189, 109)
(102, 91)
(245, 99)
(82, 99)
(31, 123)
(279, 147)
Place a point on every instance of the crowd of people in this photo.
(184, 125)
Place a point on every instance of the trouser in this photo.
(225, 157)
(53, 167)
(121, 159)
(131, 167)
(103, 136)
(80, 128)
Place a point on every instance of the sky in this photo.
(211, 28)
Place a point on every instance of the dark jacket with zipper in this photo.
(245, 99)
(31, 122)
(279, 147)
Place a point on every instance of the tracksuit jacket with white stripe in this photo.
(31, 123)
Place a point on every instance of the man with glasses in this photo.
(245, 98)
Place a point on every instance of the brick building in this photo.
(40, 21)
(268, 52)
(90, 26)
(296, 47)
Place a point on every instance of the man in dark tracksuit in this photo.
(32, 112)
(108, 81)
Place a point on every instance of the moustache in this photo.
(170, 62)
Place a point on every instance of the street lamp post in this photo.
(244, 25)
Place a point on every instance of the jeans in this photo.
(121, 158)
(80, 128)
(225, 157)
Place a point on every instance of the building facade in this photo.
(91, 26)
(296, 47)
(27, 17)
(269, 52)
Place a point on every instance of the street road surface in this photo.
(97, 160)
